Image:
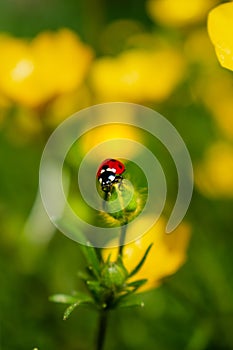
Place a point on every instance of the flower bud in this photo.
(113, 275)
(125, 203)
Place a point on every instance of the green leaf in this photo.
(73, 306)
(80, 299)
(62, 298)
(69, 310)
(141, 262)
(92, 259)
(87, 250)
(129, 293)
(137, 284)
(82, 296)
(132, 301)
(95, 288)
(71, 299)
(121, 264)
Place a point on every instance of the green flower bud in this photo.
(124, 203)
(113, 275)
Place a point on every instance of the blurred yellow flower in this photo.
(26, 126)
(214, 176)
(166, 256)
(179, 12)
(67, 104)
(110, 132)
(33, 73)
(217, 94)
(220, 28)
(204, 58)
(137, 75)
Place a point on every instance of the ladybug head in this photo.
(107, 179)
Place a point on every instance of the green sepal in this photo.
(95, 288)
(141, 262)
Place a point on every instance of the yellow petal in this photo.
(220, 28)
(214, 175)
(33, 73)
(179, 12)
(137, 75)
(166, 256)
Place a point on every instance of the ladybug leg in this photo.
(107, 190)
(119, 180)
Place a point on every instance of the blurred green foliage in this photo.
(192, 310)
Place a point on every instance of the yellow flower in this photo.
(109, 133)
(33, 73)
(204, 58)
(166, 256)
(214, 176)
(67, 104)
(179, 12)
(217, 94)
(220, 28)
(137, 75)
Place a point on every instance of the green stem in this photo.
(102, 330)
(122, 238)
(99, 254)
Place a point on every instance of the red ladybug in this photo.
(109, 173)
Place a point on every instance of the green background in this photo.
(192, 310)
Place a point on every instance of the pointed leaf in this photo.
(129, 293)
(85, 246)
(129, 304)
(71, 299)
(138, 283)
(141, 262)
(83, 275)
(92, 259)
(121, 264)
(69, 310)
(62, 298)
(82, 296)
(132, 301)
(95, 288)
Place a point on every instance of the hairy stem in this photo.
(122, 238)
(102, 330)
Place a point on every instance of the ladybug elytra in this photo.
(109, 173)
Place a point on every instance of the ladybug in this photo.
(109, 173)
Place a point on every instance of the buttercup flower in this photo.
(33, 73)
(108, 133)
(214, 176)
(204, 57)
(217, 94)
(166, 256)
(179, 12)
(67, 104)
(137, 75)
(220, 28)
